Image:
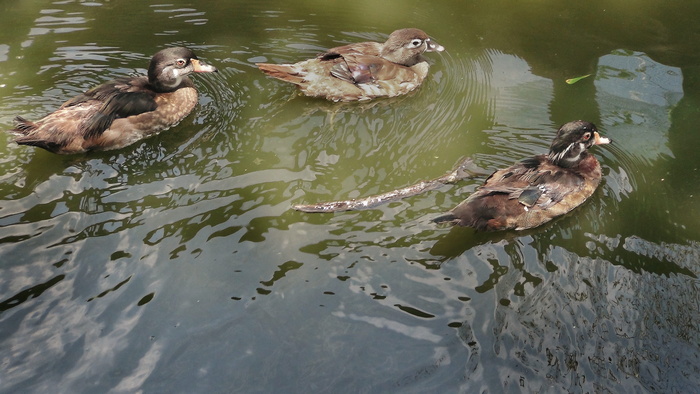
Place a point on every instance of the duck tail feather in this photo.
(23, 126)
(285, 72)
(445, 218)
(48, 145)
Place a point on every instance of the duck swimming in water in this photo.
(120, 112)
(538, 189)
(364, 70)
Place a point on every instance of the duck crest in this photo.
(572, 141)
(405, 47)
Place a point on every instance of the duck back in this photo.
(527, 195)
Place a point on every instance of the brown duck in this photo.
(120, 112)
(538, 189)
(362, 71)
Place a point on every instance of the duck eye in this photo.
(180, 62)
(587, 136)
(415, 43)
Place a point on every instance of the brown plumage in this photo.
(362, 71)
(120, 112)
(538, 189)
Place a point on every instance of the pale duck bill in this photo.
(433, 46)
(200, 67)
(598, 140)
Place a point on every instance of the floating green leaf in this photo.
(572, 81)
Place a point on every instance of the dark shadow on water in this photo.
(29, 293)
(634, 254)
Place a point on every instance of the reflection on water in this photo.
(177, 263)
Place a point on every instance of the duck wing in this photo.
(363, 69)
(119, 98)
(535, 183)
(356, 63)
(360, 69)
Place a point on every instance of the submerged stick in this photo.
(464, 169)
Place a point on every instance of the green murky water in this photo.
(176, 265)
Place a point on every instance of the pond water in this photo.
(177, 265)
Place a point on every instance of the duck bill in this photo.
(434, 46)
(598, 140)
(201, 67)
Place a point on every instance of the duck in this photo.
(122, 111)
(362, 71)
(537, 189)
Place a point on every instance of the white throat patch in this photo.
(175, 72)
(561, 156)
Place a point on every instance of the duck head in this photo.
(405, 46)
(170, 66)
(572, 140)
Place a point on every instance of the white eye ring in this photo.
(181, 62)
(415, 43)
